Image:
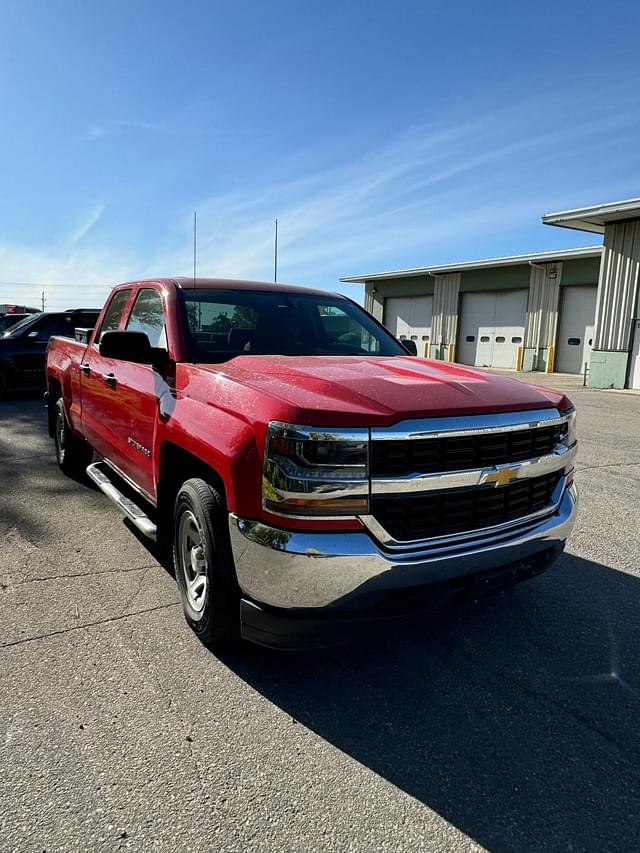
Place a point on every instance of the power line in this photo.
(41, 284)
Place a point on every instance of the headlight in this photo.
(316, 472)
(568, 435)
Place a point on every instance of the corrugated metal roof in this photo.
(596, 217)
(537, 257)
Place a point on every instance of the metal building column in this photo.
(542, 317)
(615, 306)
(371, 303)
(444, 325)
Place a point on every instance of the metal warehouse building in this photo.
(552, 311)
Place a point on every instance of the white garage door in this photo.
(492, 327)
(410, 317)
(575, 335)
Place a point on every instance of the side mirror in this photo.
(410, 347)
(127, 346)
(32, 336)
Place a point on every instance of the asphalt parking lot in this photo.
(511, 725)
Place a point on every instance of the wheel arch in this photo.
(178, 465)
(55, 392)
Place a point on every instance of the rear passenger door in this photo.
(104, 415)
(144, 391)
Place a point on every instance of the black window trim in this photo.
(98, 333)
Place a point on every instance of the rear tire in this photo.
(203, 564)
(72, 454)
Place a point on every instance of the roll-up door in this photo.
(410, 317)
(575, 333)
(492, 327)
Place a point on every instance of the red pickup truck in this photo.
(306, 471)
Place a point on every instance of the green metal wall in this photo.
(580, 271)
(419, 286)
(495, 278)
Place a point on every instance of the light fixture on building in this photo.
(552, 273)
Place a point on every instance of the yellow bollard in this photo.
(551, 355)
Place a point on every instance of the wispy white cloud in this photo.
(436, 192)
(87, 223)
(79, 277)
(108, 127)
(423, 197)
(95, 131)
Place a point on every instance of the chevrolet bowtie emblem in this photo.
(502, 476)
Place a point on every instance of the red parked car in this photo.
(306, 471)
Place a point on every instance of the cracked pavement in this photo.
(510, 725)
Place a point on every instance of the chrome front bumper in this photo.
(338, 570)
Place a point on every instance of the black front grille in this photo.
(433, 455)
(408, 517)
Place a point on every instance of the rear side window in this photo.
(48, 326)
(114, 311)
(147, 315)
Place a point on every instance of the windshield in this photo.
(19, 328)
(9, 320)
(223, 324)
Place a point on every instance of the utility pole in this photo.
(275, 256)
(43, 300)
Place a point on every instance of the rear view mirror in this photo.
(410, 347)
(127, 346)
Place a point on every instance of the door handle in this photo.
(85, 368)
(110, 379)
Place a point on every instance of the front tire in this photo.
(204, 564)
(72, 454)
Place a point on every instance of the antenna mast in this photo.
(195, 234)
(275, 256)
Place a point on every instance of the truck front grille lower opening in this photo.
(441, 513)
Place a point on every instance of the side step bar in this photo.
(138, 517)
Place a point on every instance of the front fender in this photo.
(224, 442)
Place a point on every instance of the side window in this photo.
(147, 315)
(222, 324)
(114, 311)
(47, 327)
(344, 331)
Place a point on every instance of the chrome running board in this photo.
(138, 517)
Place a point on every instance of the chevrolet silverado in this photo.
(305, 471)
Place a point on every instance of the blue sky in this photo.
(382, 135)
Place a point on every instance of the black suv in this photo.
(22, 347)
(9, 320)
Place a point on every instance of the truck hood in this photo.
(373, 389)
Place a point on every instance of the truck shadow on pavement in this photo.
(515, 719)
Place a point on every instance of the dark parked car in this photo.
(9, 320)
(23, 346)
